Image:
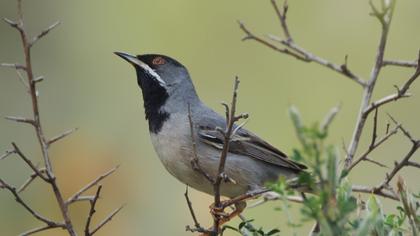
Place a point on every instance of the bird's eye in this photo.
(158, 61)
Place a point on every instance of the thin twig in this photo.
(7, 153)
(19, 200)
(304, 55)
(92, 211)
(43, 33)
(372, 190)
(375, 127)
(375, 162)
(195, 161)
(29, 163)
(106, 220)
(309, 57)
(250, 35)
(31, 178)
(373, 147)
(230, 122)
(385, 19)
(413, 164)
(26, 45)
(197, 226)
(75, 197)
(330, 117)
(398, 166)
(61, 136)
(405, 131)
(282, 18)
(400, 63)
(15, 66)
(21, 120)
(42, 228)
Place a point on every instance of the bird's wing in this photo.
(247, 144)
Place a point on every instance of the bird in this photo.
(171, 105)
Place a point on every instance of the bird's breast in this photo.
(173, 147)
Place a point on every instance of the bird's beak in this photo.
(136, 62)
(131, 59)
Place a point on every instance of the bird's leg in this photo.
(223, 216)
(239, 208)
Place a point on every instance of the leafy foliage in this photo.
(330, 201)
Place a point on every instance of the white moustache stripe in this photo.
(148, 70)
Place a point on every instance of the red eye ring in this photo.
(158, 61)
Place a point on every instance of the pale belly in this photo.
(173, 146)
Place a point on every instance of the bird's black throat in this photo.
(154, 97)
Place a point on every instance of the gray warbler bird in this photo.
(169, 97)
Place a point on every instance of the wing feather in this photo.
(248, 144)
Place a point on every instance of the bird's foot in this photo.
(224, 217)
(218, 212)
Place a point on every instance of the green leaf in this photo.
(272, 232)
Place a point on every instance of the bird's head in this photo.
(165, 83)
(156, 71)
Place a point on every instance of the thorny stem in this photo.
(385, 19)
(37, 120)
(46, 173)
(230, 122)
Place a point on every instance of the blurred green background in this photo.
(88, 87)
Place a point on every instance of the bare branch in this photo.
(282, 18)
(38, 79)
(405, 131)
(197, 226)
(19, 200)
(227, 134)
(385, 19)
(31, 178)
(398, 166)
(195, 161)
(383, 101)
(36, 122)
(7, 153)
(14, 24)
(250, 35)
(413, 164)
(42, 228)
(309, 57)
(29, 163)
(292, 49)
(375, 162)
(371, 190)
(373, 147)
(61, 136)
(330, 117)
(20, 120)
(15, 66)
(106, 220)
(416, 74)
(92, 211)
(43, 33)
(90, 185)
(399, 63)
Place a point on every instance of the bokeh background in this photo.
(88, 87)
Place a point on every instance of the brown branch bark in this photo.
(19, 200)
(75, 197)
(92, 211)
(400, 63)
(46, 172)
(292, 49)
(227, 134)
(106, 220)
(385, 18)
